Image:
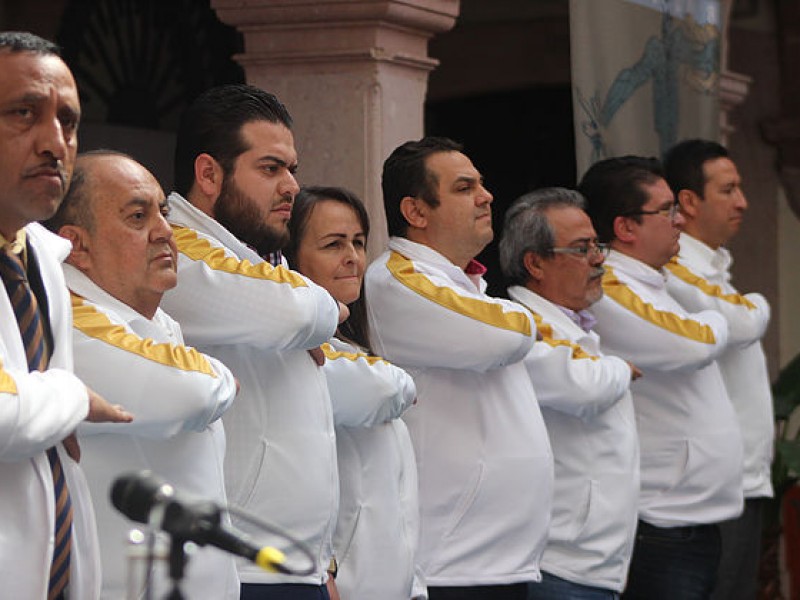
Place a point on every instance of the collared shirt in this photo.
(582, 318)
(19, 245)
(475, 271)
(273, 258)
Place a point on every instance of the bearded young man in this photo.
(234, 177)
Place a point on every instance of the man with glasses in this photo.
(691, 449)
(708, 187)
(549, 251)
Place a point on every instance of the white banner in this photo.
(644, 75)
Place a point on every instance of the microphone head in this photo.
(271, 559)
(135, 494)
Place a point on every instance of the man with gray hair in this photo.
(549, 251)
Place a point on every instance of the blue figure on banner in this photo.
(684, 48)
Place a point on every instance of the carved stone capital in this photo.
(338, 31)
(733, 89)
(784, 134)
(790, 179)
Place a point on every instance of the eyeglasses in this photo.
(593, 249)
(670, 212)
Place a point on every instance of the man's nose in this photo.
(289, 186)
(51, 139)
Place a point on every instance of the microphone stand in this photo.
(177, 566)
(177, 548)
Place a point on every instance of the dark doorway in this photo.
(519, 140)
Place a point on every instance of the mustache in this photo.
(597, 272)
(48, 168)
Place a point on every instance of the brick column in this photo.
(353, 74)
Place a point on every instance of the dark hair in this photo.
(683, 164)
(527, 229)
(23, 41)
(75, 208)
(213, 123)
(405, 174)
(615, 187)
(355, 329)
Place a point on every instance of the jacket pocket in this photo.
(663, 468)
(466, 500)
(343, 551)
(252, 474)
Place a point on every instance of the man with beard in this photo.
(551, 254)
(691, 448)
(48, 544)
(234, 178)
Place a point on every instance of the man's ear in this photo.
(689, 202)
(533, 265)
(80, 255)
(208, 176)
(415, 211)
(623, 229)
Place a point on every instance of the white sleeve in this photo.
(365, 390)
(38, 410)
(168, 388)
(661, 337)
(220, 297)
(422, 320)
(747, 314)
(568, 379)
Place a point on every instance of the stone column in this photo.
(353, 74)
(733, 87)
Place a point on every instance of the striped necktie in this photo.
(31, 328)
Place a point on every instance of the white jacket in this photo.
(691, 449)
(259, 320)
(377, 532)
(699, 278)
(588, 411)
(37, 411)
(177, 396)
(483, 458)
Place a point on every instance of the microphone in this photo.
(145, 498)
